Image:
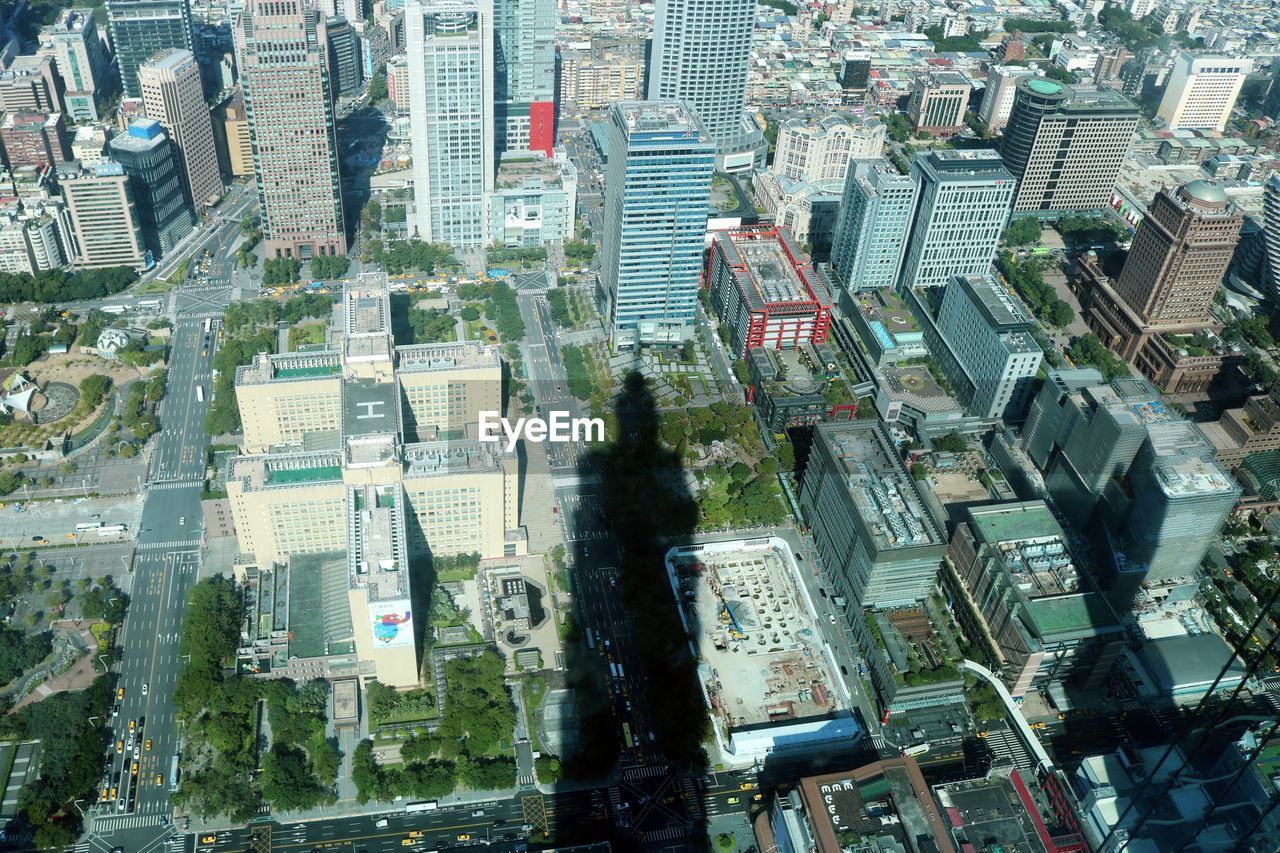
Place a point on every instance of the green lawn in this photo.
(305, 334)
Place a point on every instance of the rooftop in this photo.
(659, 117)
(289, 366)
(434, 458)
(996, 302)
(995, 813)
(771, 270)
(376, 549)
(1191, 660)
(535, 170)
(885, 495)
(285, 469)
(369, 408)
(319, 613)
(422, 358)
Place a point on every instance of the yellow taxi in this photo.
(746, 786)
(120, 694)
(133, 724)
(208, 839)
(134, 769)
(415, 834)
(464, 837)
(733, 801)
(105, 789)
(119, 746)
(159, 779)
(148, 745)
(113, 793)
(407, 842)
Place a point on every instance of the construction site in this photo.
(763, 665)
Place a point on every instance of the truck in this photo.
(918, 749)
(208, 324)
(591, 639)
(200, 393)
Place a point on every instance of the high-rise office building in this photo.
(700, 55)
(869, 519)
(855, 74)
(141, 28)
(82, 60)
(657, 195)
(31, 84)
(1180, 255)
(1066, 144)
(938, 102)
(104, 218)
(823, 150)
(964, 203)
(451, 117)
(876, 213)
(989, 336)
(231, 128)
(1181, 498)
(171, 91)
(997, 97)
(150, 160)
(1202, 91)
(344, 56)
(283, 57)
(524, 74)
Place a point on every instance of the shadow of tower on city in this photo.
(650, 713)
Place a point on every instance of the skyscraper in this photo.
(171, 91)
(140, 28)
(524, 74)
(1180, 255)
(149, 159)
(655, 215)
(344, 56)
(281, 49)
(964, 205)
(1202, 91)
(451, 117)
(1066, 145)
(700, 55)
(871, 231)
(82, 60)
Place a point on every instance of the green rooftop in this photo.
(303, 475)
(307, 372)
(1008, 522)
(1080, 615)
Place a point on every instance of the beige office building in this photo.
(104, 218)
(235, 146)
(596, 78)
(334, 493)
(1202, 91)
(172, 95)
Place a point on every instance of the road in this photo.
(545, 375)
(145, 730)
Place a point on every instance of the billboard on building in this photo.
(392, 623)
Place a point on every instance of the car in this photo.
(144, 688)
(464, 837)
(120, 694)
(208, 839)
(407, 842)
(133, 724)
(114, 792)
(119, 747)
(137, 752)
(758, 797)
(120, 805)
(148, 745)
(159, 779)
(733, 801)
(747, 786)
(586, 552)
(134, 770)
(182, 520)
(832, 617)
(417, 833)
(104, 792)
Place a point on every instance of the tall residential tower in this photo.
(281, 49)
(524, 74)
(871, 231)
(700, 54)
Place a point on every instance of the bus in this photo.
(613, 670)
(626, 735)
(149, 304)
(115, 309)
(173, 773)
(208, 324)
(415, 808)
(88, 525)
(200, 393)
(591, 639)
(112, 529)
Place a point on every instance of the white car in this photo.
(182, 520)
(144, 688)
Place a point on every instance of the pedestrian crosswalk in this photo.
(170, 545)
(113, 823)
(1130, 705)
(647, 771)
(878, 741)
(1005, 745)
(184, 482)
(692, 801)
(669, 833)
(526, 781)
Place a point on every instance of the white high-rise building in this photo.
(1271, 232)
(700, 54)
(823, 150)
(965, 197)
(451, 117)
(1202, 91)
(871, 231)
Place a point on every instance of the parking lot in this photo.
(26, 525)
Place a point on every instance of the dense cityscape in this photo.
(750, 426)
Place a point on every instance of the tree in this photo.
(1057, 72)
(547, 767)
(329, 267)
(93, 389)
(20, 652)
(952, 442)
(378, 86)
(1060, 313)
(1088, 351)
(470, 313)
(280, 270)
(1024, 231)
